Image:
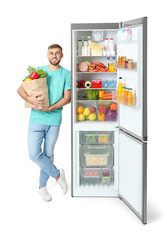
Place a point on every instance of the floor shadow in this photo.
(153, 214)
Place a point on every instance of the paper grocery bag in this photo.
(36, 86)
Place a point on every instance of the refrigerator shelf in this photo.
(95, 88)
(97, 72)
(78, 56)
(85, 100)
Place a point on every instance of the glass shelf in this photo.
(95, 88)
(98, 72)
(96, 56)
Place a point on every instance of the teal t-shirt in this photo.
(57, 82)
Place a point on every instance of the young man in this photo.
(44, 123)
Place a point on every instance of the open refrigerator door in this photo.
(133, 115)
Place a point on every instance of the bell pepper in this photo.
(34, 75)
(101, 116)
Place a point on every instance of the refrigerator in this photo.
(109, 155)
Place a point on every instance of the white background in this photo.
(27, 29)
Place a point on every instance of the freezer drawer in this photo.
(101, 137)
(96, 176)
(96, 156)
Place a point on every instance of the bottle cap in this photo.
(79, 40)
(108, 57)
(111, 38)
(85, 40)
(106, 38)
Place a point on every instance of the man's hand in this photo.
(44, 109)
(35, 100)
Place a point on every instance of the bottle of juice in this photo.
(123, 94)
(134, 98)
(119, 91)
(130, 97)
(126, 95)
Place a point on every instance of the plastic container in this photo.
(96, 83)
(106, 48)
(96, 155)
(96, 137)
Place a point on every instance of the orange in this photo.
(80, 109)
(113, 106)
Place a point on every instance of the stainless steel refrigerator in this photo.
(109, 156)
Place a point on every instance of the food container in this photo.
(131, 65)
(96, 155)
(96, 176)
(96, 137)
(96, 83)
(103, 138)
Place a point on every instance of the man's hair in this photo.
(55, 46)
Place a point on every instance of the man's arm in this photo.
(33, 99)
(65, 100)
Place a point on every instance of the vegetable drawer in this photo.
(96, 155)
(96, 176)
(101, 137)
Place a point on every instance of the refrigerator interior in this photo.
(95, 142)
(80, 95)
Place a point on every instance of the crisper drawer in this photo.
(101, 137)
(96, 176)
(96, 156)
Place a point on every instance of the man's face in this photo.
(54, 56)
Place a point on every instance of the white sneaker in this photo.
(62, 181)
(45, 194)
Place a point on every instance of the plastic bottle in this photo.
(79, 47)
(122, 34)
(106, 44)
(113, 61)
(130, 97)
(123, 94)
(112, 47)
(108, 62)
(134, 98)
(126, 33)
(86, 47)
(126, 95)
(89, 41)
(119, 90)
(83, 51)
